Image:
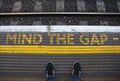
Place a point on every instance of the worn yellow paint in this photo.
(116, 38)
(19, 49)
(56, 38)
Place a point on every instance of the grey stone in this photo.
(83, 23)
(111, 5)
(37, 22)
(100, 6)
(81, 5)
(60, 5)
(104, 23)
(118, 4)
(60, 23)
(14, 22)
(17, 6)
(0, 4)
(38, 6)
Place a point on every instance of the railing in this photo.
(60, 13)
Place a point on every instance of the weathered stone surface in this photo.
(17, 6)
(100, 6)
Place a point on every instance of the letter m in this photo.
(11, 38)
